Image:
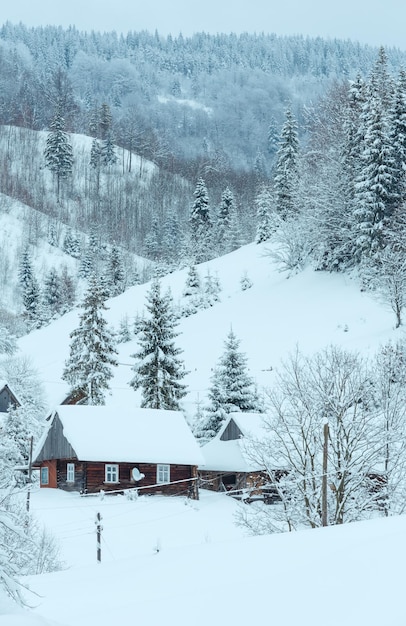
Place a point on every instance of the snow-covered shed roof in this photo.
(108, 433)
(4, 385)
(250, 424)
(230, 455)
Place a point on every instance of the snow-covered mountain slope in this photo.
(308, 311)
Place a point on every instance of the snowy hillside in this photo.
(310, 310)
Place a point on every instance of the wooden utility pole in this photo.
(324, 477)
(29, 475)
(99, 528)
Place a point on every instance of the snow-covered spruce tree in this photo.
(92, 351)
(273, 137)
(286, 168)
(232, 389)
(52, 296)
(107, 151)
(264, 207)
(58, 150)
(225, 217)
(71, 244)
(153, 241)
(192, 296)
(91, 256)
(375, 197)
(171, 240)
(30, 292)
(398, 135)
(211, 288)
(115, 274)
(377, 192)
(158, 368)
(200, 225)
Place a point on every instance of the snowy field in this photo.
(168, 561)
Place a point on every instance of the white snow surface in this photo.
(127, 433)
(176, 562)
(165, 561)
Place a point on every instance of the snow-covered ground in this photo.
(168, 561)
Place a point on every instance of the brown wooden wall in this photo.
(90, 476)
(52, 475)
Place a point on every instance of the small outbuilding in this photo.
(105, 448)
(8, 399)
(227, 466)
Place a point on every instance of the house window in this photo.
(163, 473)
(111, 474)
(44, 476)
(70, 472)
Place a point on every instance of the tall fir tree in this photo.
(58, 151)
(287, 168)
(92, 351)
(158, 368)
(232, 389)
(376, 195)
(200, 224)
(115, 274)
(224, 223)
(264, 205)
(30, 292)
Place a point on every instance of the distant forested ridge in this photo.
(206, 98)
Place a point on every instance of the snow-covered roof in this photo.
(3, 384)
(224, 456)
(227, 456)
(108, 433)
(250, 424)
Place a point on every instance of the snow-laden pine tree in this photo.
(226, 214)
(398, 134)
(58, 150)
(211, 288)
(92, 350)
(30, 292)
(200, 225)
(264, 206)
(192, 296)
(158, 369)
(232, 389)
(287, 168)
(71, 244)
(115, 273)
(52, 295)
(376, 195)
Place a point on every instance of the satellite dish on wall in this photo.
(136, 474)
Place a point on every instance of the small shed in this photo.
(94, 448)
(7, 398)
(227, 467)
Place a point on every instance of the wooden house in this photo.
(227, 466)
(105, 448)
